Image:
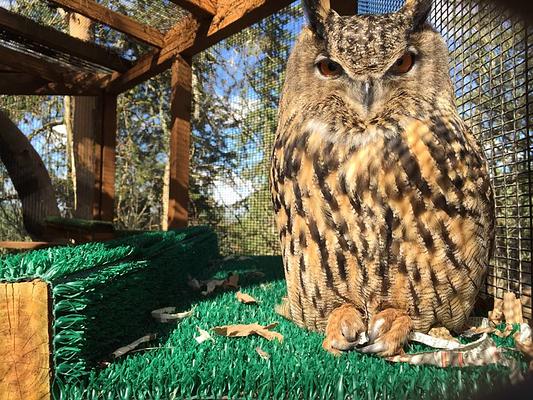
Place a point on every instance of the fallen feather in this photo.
(169, 314)
(249, 329)
(204, 335)
(439, 343)
(481, 352)
(263, 354)
(245, 298)
(133, 345)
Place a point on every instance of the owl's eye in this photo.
(403, 64)
(329, 68)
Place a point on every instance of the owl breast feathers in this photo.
(381, 194)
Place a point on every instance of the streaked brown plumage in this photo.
(381, 194)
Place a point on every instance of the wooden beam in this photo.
(13, 245)
(25, 343)
(120, 22)
(64, 77)
(158, 61)
(200, 8)
(105, 159)
(180, 138)
(28, 29)
(23, 84)
(190, 36)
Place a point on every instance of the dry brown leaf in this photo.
(241, 330)
(512, 309)
(263, 354)
(245, 298)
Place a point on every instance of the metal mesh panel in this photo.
(490, 53)
(240, 89)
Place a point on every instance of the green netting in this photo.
(178, 367)
(103, 293)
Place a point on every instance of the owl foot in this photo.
(388, 331)
(345, 324)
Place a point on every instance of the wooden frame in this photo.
(117, 21)
(209, 22)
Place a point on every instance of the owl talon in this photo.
(388, 331)
(343, 330)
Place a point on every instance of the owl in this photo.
(382, 198)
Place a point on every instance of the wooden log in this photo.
(25, 345)
(15, 245)
(29, 176)
(120, 22)
(180, 137)
(28, 29)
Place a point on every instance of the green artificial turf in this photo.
(177, 367)
(102, 293)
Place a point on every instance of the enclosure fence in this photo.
(237, 84)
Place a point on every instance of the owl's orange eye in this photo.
(329, 68)
(403, 64)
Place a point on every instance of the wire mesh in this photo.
(490, 52)
(240, 90)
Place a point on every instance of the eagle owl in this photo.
(381, 193)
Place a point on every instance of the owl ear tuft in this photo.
(418, 10)
(317, 12)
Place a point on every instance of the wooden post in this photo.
(105, 159)
(24, 341)
(180, 136)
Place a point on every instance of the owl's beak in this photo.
(368, 93)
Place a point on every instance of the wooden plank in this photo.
(28, 29)
(29, 245)
(24, 341)
(17, 83)
(120, 22)
(105, 159)
(180, 136)
(82, 82)
(190, 36)
(200, 8)
(235, 15)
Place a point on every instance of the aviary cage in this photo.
(232, 75)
